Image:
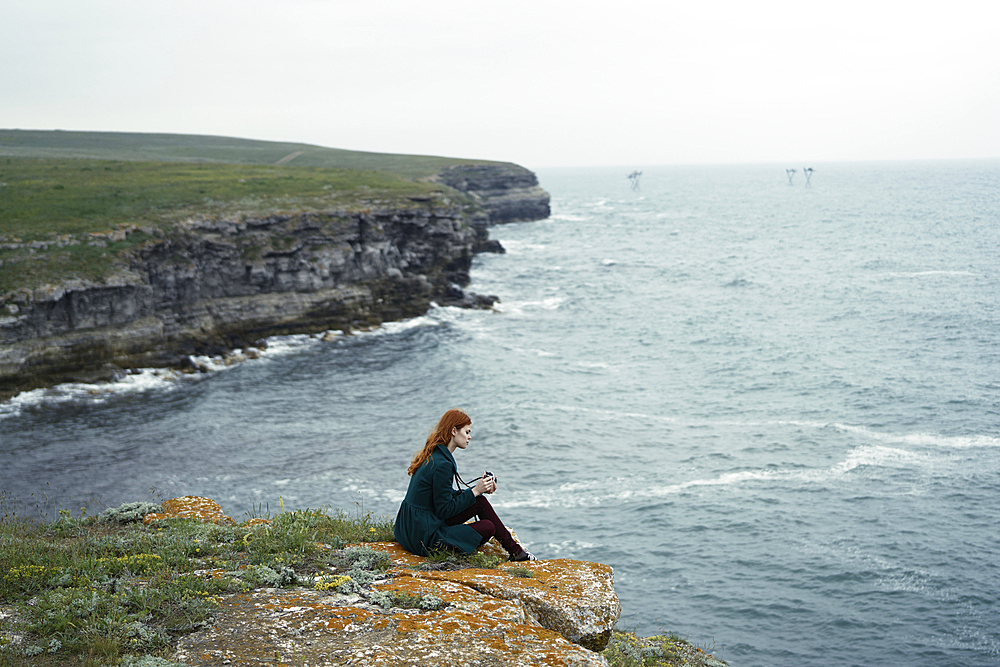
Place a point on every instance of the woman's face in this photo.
(460, 437)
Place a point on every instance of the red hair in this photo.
(441, 435)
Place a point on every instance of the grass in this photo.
(40, 197)
(96, 591)
(68, 219)
(82, 590)
(453, 559)
(626, 649)
(205, 148)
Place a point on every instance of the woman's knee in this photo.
(486, 530)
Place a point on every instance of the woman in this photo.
(433, 514)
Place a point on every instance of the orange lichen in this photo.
(190, 507)
(551, 617)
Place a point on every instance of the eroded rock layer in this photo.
(218, 284)
(507, 192)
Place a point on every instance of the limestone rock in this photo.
(574, 598)
(556, 612)
(507, 192)
(308, 627)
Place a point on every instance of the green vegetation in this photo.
(62, 219)
(42, 198)
(96, 589)
(453, 559)
(107, 589)
(202, 148)
(78, 205)
(628, 650)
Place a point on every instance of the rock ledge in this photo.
(555, 612)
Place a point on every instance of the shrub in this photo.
(128, 512)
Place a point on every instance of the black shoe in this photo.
(524, 555)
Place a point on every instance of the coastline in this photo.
(220, 279)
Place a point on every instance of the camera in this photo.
(489, 474)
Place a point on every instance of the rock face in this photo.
(556, 612)
(225, 283)
(507, 192)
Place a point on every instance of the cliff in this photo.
(507, 192)
(225, 279)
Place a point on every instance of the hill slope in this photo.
(145, 147)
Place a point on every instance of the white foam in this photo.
(142, 380)
(278, 346)
(923, 439)
(570, 547)
(568, 217)
(518, 307)
(593, 493)
(159, 379)
(533, 351)
(925, 274)
(392, 328)
(883, 457)
(513, 247)
(592, 364)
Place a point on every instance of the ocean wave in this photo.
(923, 439)
(514, 247)
(925, 274)
(593, 493)
(142, 380)
(518, 307)
(918, 439)
(167, 379)
(880, 456)
(569, 217)
(393, 328)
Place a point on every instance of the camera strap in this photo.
(458, 478)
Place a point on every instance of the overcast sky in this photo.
(536, 82)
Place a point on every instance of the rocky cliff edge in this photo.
(552, 612)
(211, 284)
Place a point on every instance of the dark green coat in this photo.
(430, 500)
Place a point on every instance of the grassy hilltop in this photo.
(64, 195)
(142, 147)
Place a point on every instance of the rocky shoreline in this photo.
(227, 281)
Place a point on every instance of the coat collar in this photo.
(447, 454)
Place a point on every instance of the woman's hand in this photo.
(485, 485)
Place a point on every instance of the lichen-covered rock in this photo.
(574, 598)
(554, 612)
(309, 627)
(190, 507)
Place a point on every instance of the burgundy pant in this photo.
(488, 526)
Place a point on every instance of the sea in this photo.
(772, 407)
